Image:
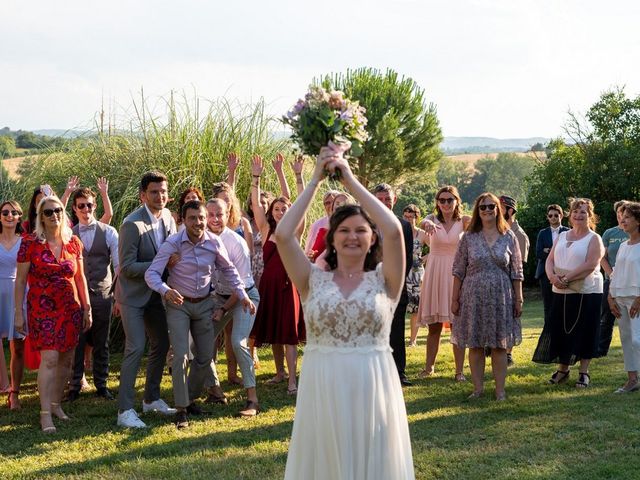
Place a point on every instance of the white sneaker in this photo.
(129, 418)
(158, 406)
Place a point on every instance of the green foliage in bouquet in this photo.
(323, 117)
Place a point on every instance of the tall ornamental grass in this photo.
(188, 139)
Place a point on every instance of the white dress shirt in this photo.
(157, 225)
(239, 255)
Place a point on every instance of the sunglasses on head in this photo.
(491, 207)
(15, 213)
(50, 211)
(553, 215)
(82, 206)
(449, 200)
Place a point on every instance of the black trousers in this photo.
(607, 321)
(547, 296)
(396, 336)
(98, 338)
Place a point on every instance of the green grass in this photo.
(540, 432)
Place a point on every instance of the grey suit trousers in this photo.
(138, 321)
(197, 319)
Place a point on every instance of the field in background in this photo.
(472, 158)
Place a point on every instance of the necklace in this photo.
(350, 274)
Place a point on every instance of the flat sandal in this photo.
(559, 377)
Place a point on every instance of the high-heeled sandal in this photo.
(60, 414)
(13, 405)
(459, 377)
(48, 429)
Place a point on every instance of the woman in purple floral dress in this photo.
(487, 293)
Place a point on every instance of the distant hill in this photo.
(56, 132)
(459, 145)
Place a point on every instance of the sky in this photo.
(496, 68)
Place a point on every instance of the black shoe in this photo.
(404, 381)
(181, 419)
(105, 394)
(71, 396)
(510, 362)
(194, 410)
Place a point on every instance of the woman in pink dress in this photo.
(444, 229)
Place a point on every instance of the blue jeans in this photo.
(242, 325)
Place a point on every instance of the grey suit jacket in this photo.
(136, 249)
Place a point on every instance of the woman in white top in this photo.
(624, 295)
(573, 268)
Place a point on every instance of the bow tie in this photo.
(87, 228)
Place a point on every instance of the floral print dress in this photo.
(54, 314)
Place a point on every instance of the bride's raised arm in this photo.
(293, 257)
(393, 254)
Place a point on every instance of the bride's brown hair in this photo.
(337, 217)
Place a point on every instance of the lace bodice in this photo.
(360, 321)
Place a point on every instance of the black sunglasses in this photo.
(15, 213)
(442, 201)
(553, 215)
(491, 207)
(50, 211)
(82, 206)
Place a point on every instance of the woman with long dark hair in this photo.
(279, 319)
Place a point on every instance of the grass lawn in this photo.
(540, 432)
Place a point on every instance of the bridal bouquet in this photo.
(327, 119)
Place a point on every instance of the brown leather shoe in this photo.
(251, 409)
(216, 395)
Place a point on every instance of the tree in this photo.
(27, 140)
(404, 130)
(7, 147)
(600, 164)
(457, 173)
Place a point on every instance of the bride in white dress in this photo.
(350, 422)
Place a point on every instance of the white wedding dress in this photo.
(351, 421)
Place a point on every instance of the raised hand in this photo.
(257, 166)
(73, 182)
(298, 164)
(103, 185)
(278, 162)
(233, 161)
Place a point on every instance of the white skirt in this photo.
(350, 421)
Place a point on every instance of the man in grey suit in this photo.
(141, 309)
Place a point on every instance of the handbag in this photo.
(574, 285)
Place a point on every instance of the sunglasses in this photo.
(553, 215)
(449, 200)
(15, 213)
(82, 206)
(491, 207)
(48, 212)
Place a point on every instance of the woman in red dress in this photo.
(279, 319)
(57, 302)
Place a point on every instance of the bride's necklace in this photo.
(350, 274)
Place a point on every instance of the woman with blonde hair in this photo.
(573, 268)
(57, 302)
(487, 293)
(443, 231)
